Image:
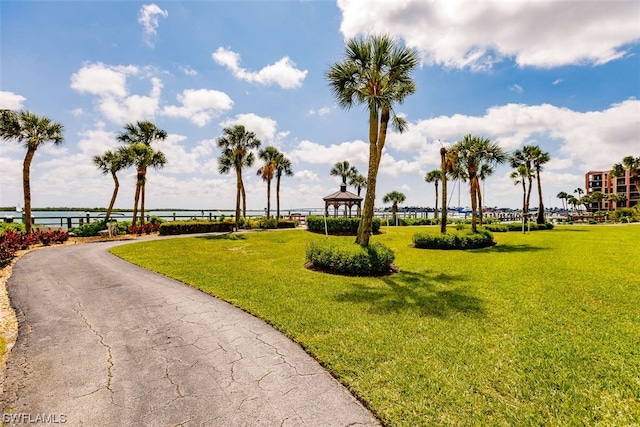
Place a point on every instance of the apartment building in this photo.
(601, 181)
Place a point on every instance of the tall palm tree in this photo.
(539, 158)
(394, 197)
(448, 165)
(236, 144)
(598, 197)
(524, 157)
(579, 191)
(375, 72)
(486, 170)
(573, 201)
(520, 176)
(473, 151)
(142, 132)
(142, 157)
(358, 181)
(267, 171)
(434, 176)
(283, 167)
(344, 170)
(111, 162)
(32, 131)
(563, 196)
(630, 164)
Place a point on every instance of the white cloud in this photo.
(556, 82)
(459, 33)
(579, 136)
(356, 152)
(322, 112)
(283, 72)
(77, 112)
(189, 71)
(516, 88)
(148, 17)
(199, 105)
(265, 128)
(11, 101)
(306, 176)
(109, 84)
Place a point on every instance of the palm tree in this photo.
(485, 171)
(579, 191)
(585, 201)
(142, 132)
(573, 201)
(525, 158)
(539, 158)
(473, 151)
(616, 198)
(283, 167)
(359, 181)
(448, 165)
(142, 157)
(563, 196)
(267, 171)
(394, 197)
(110, 162)
(630, 164)
(520, 176)
(236, 144)
(376, 72)
(344, 170)
(434, 176)
(32, 131)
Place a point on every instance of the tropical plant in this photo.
(434, 176)
(142, 132)
(358, 181)
(448, 165)
(376, 72)
(395, 198)
(236, 144)
(579, 191)
(344, 170)
(473, 151)
(585, 201)
(520, 176)
(32, 131)
(110, 162)
(283, 167)
(485, 171)
(539, 158)
(563, 196)
(630, 164)
(616, 198)
(573, 201)
(142, 157)
(597, 197)
(267, 171)
(524, 157)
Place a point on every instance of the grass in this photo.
(542, 329)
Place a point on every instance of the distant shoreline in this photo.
(13, 209)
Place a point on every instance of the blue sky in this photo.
(561, 74)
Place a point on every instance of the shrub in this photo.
(11, 242)
(350, 259)
(623, 214)
(190, 227)
(50, 237)
(469, 240)
(16, 227)
(268, 223)
(146, 228)
(339, 226)
(90, 229)
(517, 226)
(496, 228)
(288, 223)
(156, 220)
(418, 221)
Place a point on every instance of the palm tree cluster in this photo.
(237, 145)
(349, 174)
(527, 164)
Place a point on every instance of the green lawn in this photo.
(542, 329)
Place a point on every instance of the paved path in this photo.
(104, 343)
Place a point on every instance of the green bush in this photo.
(469, 240)
(418, 221)
(190, 227)
(156, 220)
(624, 214)
(339, 226)
(90, 229)
(16, 227)
(496, 228)
(517, 226)
(288, 223)
(350, 259)
(268, 223)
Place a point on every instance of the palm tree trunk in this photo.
(278, 197)
(473, 184)
(238, 196)
(268, 198)
(142, 192)
(480, 203)
(524, 202)
(436, 213)
(113, 197)
(529, 194)
(540, 219)
(443, 223)
(26, 186)
(244, 198)
(136, 197)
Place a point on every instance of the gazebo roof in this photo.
(342, 196)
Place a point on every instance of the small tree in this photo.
(344, 170)
(32, 131)
(434, 176)
(283, 167)
(267, 171)
(394, 197)
(359, 182)
(111, 162)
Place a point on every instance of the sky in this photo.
(564, 75)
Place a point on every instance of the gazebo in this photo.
(342, 198)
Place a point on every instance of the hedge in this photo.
(517, 226)
(339, 225)
(191, 227)
(469, 240)
(350, 259)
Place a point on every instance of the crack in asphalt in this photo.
(104, 344)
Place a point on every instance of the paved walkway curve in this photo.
(104, 343)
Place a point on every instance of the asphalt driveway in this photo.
(105, 343)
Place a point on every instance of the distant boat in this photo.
(18, 208)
